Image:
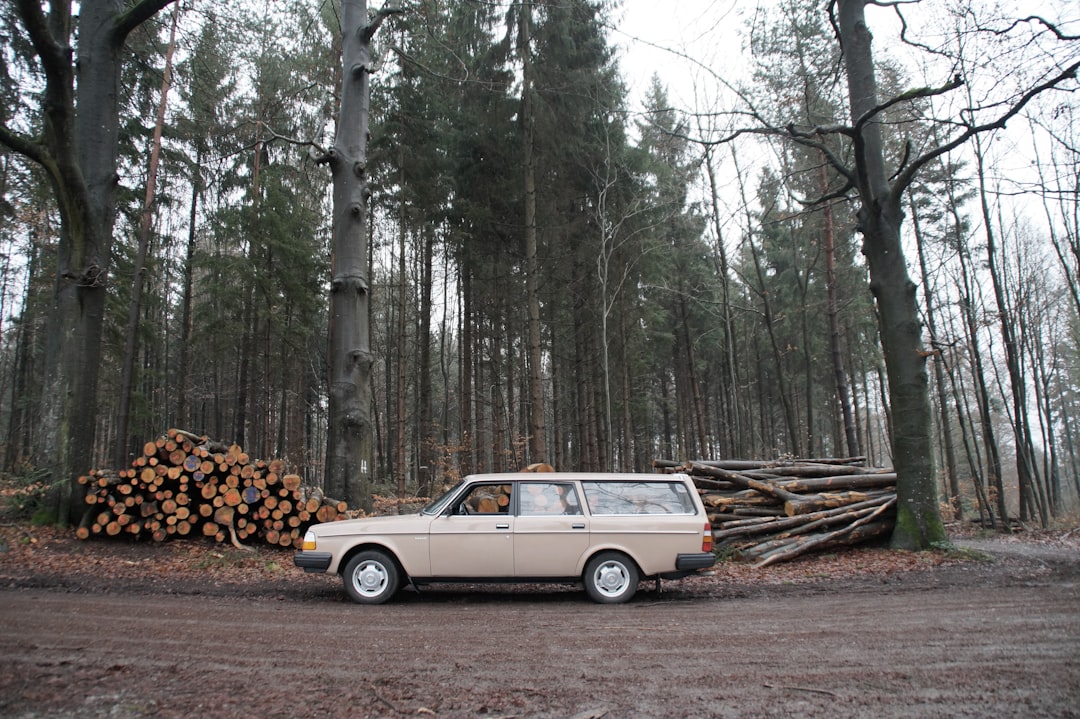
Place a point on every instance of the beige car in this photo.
(607, 531)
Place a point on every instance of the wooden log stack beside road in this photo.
(771, 511)
(186, 485)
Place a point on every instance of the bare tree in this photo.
(880, 191)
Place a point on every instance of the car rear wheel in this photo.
(371, 577)
(611, 578)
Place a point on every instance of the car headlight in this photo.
(309, 541)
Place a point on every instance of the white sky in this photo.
(674, 38)
(687, 43)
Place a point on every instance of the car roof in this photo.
(506, 477)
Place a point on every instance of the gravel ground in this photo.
(115, 629)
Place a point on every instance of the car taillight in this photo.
(706, 539)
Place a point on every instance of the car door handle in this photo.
(502, 526)
(577, 525)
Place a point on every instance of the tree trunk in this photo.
(400, 465)
(19, 439)
(729, 383)
(1025, 470)
(538, 429)
(465, 366)
(426, 443)
(986, 420)
(918, 524)
(183, 374)
(948, 445)
(832, 310)
(786, 393)
(127, 370)
(79, 155)
(240, 420)
(349, 434)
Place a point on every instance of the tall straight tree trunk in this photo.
(786, 394)
(538, 430)
(686, 378)
(730, 419)
(401, 365)
(986, 420)
(240, 421)
(560, 460)
(629, 461)
(497, 403)
(948, 445)
(918, 524)
(127, 370)
(1070, 444)
(19, 440)
(349, 432)
(183, 373)
(971, 451)
(832, 310)
(426, 443)
(786, 398)
(1047, 428)
(808, 363)
(465, 368)
(1025, 469)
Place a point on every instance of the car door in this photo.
(475, 538)
(652, 521)
(551, 533)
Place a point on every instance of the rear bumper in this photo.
(313, 561)
(697, 560)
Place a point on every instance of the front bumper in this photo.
(313, 561)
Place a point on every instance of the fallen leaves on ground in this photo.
(28, 551)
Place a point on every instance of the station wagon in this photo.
(605, 531)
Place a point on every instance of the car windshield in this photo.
(439, 504)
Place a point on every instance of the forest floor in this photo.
(103, 628)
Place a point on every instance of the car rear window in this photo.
(638, 498)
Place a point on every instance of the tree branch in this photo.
(136, 16)
(368, 31)
(1036, 19)
(55, 57)
(806, 139)
(914, 94)
(905, 178)
(25, 146)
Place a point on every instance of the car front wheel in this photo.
(611, 578)
(371, 577)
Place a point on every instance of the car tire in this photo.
(371, 577)
(611, 578)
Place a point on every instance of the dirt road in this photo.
(982, 639)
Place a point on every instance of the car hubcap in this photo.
(611, 578)
(370, 578)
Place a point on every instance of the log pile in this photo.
(186, 485)
(769, 512)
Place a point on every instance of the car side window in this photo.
(638, 498)
(486, 499)
(537, 499)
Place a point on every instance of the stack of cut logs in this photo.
(184, 485)
(778, 510)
